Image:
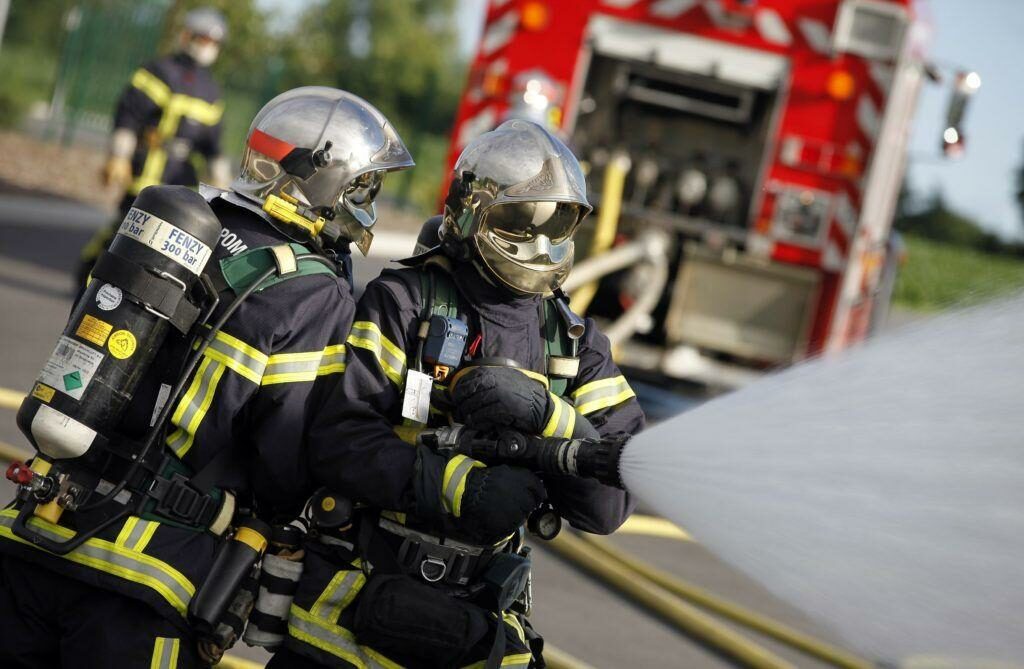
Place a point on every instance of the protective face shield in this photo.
(528, 246)
(517, 198)
(316, 159)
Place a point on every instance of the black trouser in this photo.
(50, 620)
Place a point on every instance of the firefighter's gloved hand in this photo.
(498, 500)
(495, 398)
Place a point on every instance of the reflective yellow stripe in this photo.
(112, 559)
(241, 358)
(152, 170)
(165, 653)
(193, 406)
(304, 366)
(334, 640)
(292, 367)
(339, 593)
(154, 88)
(333, 360)
(562, 421)
(126, 531)
(147, 534)
(453, 484)
(367, 335)
(518, 660)
(513, 622)
(602, 394)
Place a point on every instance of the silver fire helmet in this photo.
(517, 197)
(315, 157)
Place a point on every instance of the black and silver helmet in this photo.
(315, 157)
(515, 202)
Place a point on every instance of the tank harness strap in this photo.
(241, 270)
(441, 298)
(191, 500)
(561, 351)
(162, 294)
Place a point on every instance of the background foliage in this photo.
(401, 55)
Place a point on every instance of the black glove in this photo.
(494, 398)
(498, 500)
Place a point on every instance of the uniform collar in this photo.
(493, 303)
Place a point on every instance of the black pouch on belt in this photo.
(415, 624)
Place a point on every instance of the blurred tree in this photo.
(402, 56)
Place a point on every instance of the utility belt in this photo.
(496, 577)
(436, 559)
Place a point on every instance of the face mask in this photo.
(204, 53)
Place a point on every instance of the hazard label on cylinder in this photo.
(71, 367)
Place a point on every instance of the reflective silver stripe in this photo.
(455, 483)
(108, 557)
(565, 415)
(335, 640)
(290, 370)
(136, 534)
(165, 653)
(602, 394)
(193, 406)
(237, 359)
(367, 335)
(339, 594)
(332, 361)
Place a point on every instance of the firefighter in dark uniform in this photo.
(313, 164)
(403, 585)
(168, 116)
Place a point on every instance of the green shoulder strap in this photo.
(557, 343)
(438, 287)
(241, 270)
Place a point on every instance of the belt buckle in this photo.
(433, 569)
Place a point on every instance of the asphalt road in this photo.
(39, 242)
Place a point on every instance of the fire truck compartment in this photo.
(695, 115)
(733, 304)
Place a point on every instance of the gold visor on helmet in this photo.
(528, 245)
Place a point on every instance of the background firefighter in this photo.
(405, 586)
(127, 594)
(167, 120)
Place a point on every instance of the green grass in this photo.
(938, 276)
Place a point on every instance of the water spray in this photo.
(880, 490)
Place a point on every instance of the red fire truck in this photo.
(766, 139)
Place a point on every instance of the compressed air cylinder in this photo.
(120, 321)
(235, 560)
(268, 622)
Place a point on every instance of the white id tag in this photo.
(416, 404)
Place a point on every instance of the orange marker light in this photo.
(535, 16)
(840, 85)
